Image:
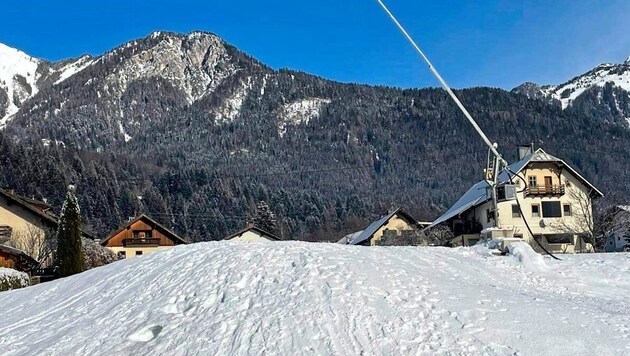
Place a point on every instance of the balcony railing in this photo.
(148, 241)
(545, 190)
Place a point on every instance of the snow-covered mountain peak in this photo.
(627, 61)
(18, 78)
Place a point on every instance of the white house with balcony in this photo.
(555, 200)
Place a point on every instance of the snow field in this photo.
(295, 298)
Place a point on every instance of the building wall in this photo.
(575, 192)
(250, 236)
(19, 218)
(395, 223)
(130, 252)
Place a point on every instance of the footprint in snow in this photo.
(145, 334)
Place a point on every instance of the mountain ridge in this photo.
(202, 132)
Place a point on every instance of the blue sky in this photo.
(472, 43)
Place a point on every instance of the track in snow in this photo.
(302, 298)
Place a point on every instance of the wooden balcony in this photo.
(545, 190)
(145, 242)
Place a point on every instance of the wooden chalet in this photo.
(141, 236)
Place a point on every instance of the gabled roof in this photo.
(260, 232)
(166, 231)
(31, 205)
(478, 194)
(38, 208)
(348, 238)
(367, 233)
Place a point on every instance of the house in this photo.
(26, 222)
(17, 259)
(141, 236)
(19, 215)
(395, 224)
(554, 198)
(618, 238)
(252, 234)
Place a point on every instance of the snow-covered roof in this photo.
(348, 238)
(478, 193)
(366, 234)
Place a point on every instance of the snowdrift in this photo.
(288, 298)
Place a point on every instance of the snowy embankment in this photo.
(288, 298)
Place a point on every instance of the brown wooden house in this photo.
(17, 259)
(141, 236)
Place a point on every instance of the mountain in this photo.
(603, 92)
(194, 132)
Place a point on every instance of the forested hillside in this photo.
(199, 151)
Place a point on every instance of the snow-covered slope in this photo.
(291, 298)
(603, 91)
(18, 78)
(617, 74)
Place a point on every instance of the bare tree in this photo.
(34, 241)
(585, 221)
(440, 235)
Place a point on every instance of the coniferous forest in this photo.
(202, 168)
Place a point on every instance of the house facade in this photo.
(22, 217)
(618, 238)
(554, 199)
(141, 236)
(25, 223)
(396, 224)
(252, 234)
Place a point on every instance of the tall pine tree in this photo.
(265, 218)
(69, 256)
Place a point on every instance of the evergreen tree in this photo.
(69, 257)
(265, 218)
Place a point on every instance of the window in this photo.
(551, 209)
(122, 254)
(516, 212)
(532, 181)
(559, 238)
(518, 236)
(138, 253)
(566, 208)
(141, 234)
(535, 211)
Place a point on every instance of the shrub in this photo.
(12, 279)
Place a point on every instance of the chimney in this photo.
(249, 225)
(524, 150)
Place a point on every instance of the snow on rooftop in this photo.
(287, 298)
